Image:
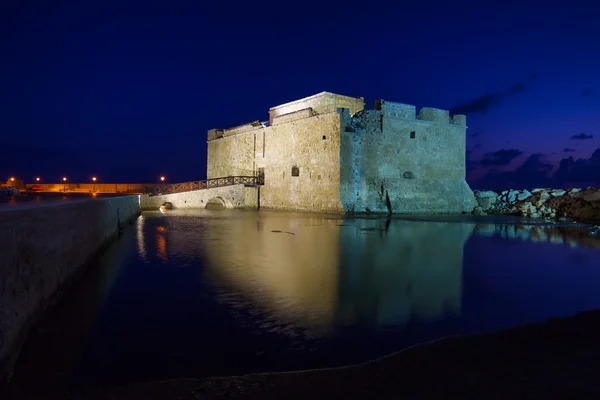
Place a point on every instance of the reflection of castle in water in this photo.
(324, 271)
(413, 270)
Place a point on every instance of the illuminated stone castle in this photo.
(327, 153)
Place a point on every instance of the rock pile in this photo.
(582, 205)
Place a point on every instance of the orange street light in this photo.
(162, 178)
(37, 179)
(65, 184)
(94, 179)
(65, 179)
(12, 179)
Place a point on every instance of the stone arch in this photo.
(218, 203)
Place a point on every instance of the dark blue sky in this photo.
(127, 90)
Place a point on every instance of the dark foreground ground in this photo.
(556, 359)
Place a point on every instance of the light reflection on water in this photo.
(196, 293)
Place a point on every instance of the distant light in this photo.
(12, 179)
(37, 179)
(162, 178)
(94, 178)
(65, 179)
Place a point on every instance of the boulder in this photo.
(484, 194)
(478, 211)
(525, 194)
(512, 195)
(486, 202)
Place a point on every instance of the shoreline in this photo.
(544, 359)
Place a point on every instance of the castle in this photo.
(327, 153)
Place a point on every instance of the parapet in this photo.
(459, 119)
(219, 133)
(250, 126)
(294, 116)
(215, 134)
(434, 115)
(321, 103)
(407, 111)
(398, 110)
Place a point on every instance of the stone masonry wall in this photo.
(311, 144)
(392, 159)
(42, 249)
(232, 155)
(234, 196)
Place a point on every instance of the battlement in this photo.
(407, 111)
(326, 102)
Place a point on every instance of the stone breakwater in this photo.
(581, 205)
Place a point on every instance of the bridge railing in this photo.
(254, 180)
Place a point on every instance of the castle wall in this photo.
(232, 155)
(301, 139)
(313, 146)
(415, 161)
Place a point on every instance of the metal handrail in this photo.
(205, 184)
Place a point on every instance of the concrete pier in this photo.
(42, 248)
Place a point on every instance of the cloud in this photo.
(486, 102)
(536, 172)
(500, 157)
(533, 172)
(517, 88)
(580, 172)
(582, 136)
(568, 150)
(586, 92)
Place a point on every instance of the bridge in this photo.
(225, 192)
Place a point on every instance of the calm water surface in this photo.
(189, 294)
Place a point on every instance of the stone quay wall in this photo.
(43, 248)
(582, 205)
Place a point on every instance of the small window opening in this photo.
(295, 171)
(324, 137)
(413, 134)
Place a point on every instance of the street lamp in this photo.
(37, 179)
(65, 183)
(162, 178)
(94, 179)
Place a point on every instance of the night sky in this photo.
(127, 90)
